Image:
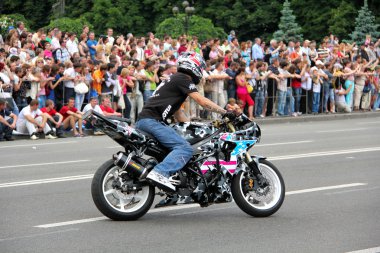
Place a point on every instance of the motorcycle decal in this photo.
(211, 162)
(192, 131)
(242, 146)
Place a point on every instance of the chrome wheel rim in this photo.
(119, 201)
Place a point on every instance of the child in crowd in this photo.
(233, 106)
(317, 81)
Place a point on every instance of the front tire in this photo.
(114, 203)
(257, 201)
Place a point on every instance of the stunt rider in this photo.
(166, 102)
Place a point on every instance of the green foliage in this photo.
(364, 24)
(69, 24)
(289, 29)
(199, 26)
(338, 24)
(10, 20)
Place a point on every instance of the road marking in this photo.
(46, 181)
(325, 188)
(356, 190)
(283, 143)
(180, 207)
(342, 130)
(115, 147)
(42, 164)
(40, 144)
(370, 250)
(35, 235)
(366, 123)
(328, 153)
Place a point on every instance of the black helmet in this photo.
(192, 64)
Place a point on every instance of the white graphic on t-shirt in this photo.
(192, 86)
(155, 94)
(166, 112)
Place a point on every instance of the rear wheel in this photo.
(115, 203)
(259, 201)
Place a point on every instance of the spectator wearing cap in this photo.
(32, 120)
(7, 122)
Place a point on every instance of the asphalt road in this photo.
(331, 170)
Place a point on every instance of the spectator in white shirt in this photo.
(31, 120)
(71, 44)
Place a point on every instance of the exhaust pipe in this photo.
(126, 163)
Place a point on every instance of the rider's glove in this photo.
(229, 115)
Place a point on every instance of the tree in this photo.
(289, 29)
(199, 26)
(338, 24)
(364, 25)
(69, 24)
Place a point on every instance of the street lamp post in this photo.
(189, 10)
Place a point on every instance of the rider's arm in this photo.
(206, 103)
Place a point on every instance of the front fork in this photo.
(253, 164)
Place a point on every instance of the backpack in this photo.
(55, 54)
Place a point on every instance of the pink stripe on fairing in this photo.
(232, 171)
(221, 163)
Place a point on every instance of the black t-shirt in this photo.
(168, 97)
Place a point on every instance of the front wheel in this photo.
(255, 200)
(115, 203)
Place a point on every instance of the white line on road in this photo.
(36, 235)
(366, 123)
(325, 188)
(40, 144)
(370, 250)
(283, 143)
(42, 164)
(327, 153)
(355, 190)
(341, 130)
(46, 181)
(73, 222)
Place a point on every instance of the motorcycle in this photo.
(221, 169)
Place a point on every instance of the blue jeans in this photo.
(297, 92)
(41, 101)
(316, 98)
(377, 102)
(180, 150)
(147, 94)
(79, 98)
(327, 93)
(289, 102)
(231, 91)
(281, 99)
(259, 102)
(7, 131)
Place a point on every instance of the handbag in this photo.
(81, 88)
(249, 88)
(121, 103)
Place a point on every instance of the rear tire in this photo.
(115, 204)
(250, 201)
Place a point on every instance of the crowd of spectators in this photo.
(48, 79)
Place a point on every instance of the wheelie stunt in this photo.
(205, 162)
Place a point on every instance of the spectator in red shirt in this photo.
(183, 47)
(54, 118)
(71, 115)
(107, 108)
